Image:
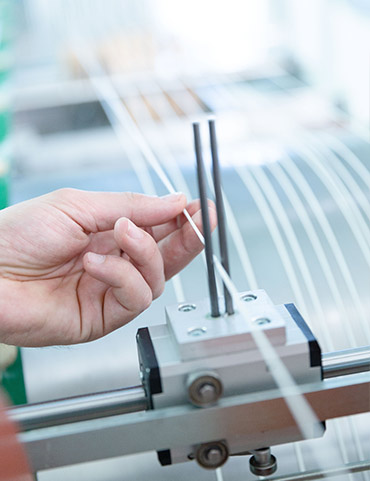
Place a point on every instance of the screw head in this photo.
(248, 297)
(212, 455)
(204, 389)
(262, 321)
(197, 331)
(187, 307)
(208, 393)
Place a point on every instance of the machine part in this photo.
(212, 455)
(204, 388)
(187, 307)
(215, 311)
(79, 408)
(249, 421)
(132, 399)
(198, 336)
(348, 361)
(343, 470)
(248, 297)
(220, 213)
(225, 346)
(315, 350)
(149, 369)
(262, 463)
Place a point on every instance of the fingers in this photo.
(99, 211)
(135, 279)
(143, 252)
(182, 245)
(130, 292)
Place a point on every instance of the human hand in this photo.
(76, 265)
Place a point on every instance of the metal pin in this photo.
(215, 312)
(220, 212)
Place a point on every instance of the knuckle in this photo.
(131, 196)
(65, 193)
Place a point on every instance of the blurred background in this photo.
(289, 84)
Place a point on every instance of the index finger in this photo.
(99, 211)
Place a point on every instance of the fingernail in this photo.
(172, 197)
(133, 231)
(95, 258)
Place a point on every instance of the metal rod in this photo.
(343, 363)
(215, 312)
(220, 213)
(356, 467)
(133, 399)
(79, 408)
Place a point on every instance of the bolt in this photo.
(208, 393)
(187, 307)
(262, 321)
(204, 388)
(212, 455)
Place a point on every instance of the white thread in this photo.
(297, 404)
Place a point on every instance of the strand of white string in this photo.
(336, 423)
(301, 411)
(340, 196)
(148, 187)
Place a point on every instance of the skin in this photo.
(14, 464)
(76, 265)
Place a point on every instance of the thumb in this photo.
(99, 211)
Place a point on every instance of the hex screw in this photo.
(212, 455)
(187, 307)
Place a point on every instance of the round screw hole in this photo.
(196, 331)
(248, 297)
(187, 307)
(262, 321)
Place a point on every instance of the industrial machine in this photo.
(208, 390)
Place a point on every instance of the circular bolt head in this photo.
(262, 321)
(204, 388)
(212, 455)
(197, 331)
(187, 307)
(248, 297)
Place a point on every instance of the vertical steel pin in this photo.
(215, 312)
(220, 212)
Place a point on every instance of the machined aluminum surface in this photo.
(264, 415)
(198, 334)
